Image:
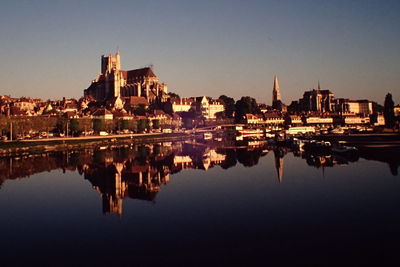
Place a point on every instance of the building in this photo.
(396, 110)
(317, 100)
(361, 107)
(254, 119)
(114, 82)
(276, 93)
(273, 118)
(276, 97)
(317, 120)
(208, 107)
(103, 114)
(181, 104)
(356, 120)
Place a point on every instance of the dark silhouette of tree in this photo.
(388, 111)
(140, 110)
(143, 124)
(156, 124)
(244, 106)
(229, 105)
(98, 125)
(173, 95)
(74, 126)
(167, 107)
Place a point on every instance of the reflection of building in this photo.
(114, 82)
(279, 154)
(130, 172)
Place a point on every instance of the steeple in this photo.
(276, 93)
(319, 86)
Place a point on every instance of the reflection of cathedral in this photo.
(139, 171)
(136, 172)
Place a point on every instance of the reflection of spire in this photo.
(279, 164)
(276, 93)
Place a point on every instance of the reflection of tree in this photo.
(389, 156)
(230, 160)
(248, 158)
(140, 170)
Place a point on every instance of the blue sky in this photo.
(51, 49)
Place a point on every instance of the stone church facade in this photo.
(116, 83)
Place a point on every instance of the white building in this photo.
(181, 104)
(210, 107)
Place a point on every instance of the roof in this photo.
(137, 100)
(121, 113)
(134, 74)
(102, 112)
(272, 115)
(159, 112)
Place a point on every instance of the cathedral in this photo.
(116, 83)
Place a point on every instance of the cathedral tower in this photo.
(109, 63)
(276, 93)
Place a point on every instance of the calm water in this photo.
(181, 204)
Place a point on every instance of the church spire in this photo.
(319, 86)
(276, 93)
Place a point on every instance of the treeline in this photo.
(238, 110)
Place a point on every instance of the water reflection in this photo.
(138, 171)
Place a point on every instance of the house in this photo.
(181, 104)
(133, 102)
(103, 114)
(354, 120)
(273, 118)
(254, 119)
(208, 107)
(122, 114)
(313, 120)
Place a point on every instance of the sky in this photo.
(51, 49)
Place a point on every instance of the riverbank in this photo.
(11, 148)
(373, 140)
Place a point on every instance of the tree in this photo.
(140, 110)
(85, 125)
(229, 105)
(143, 124)
(156, 124)
(388, 111)
(61, 124)
(167, 107)
(133, 125)
(244, 106)
(173, 95)
(73, 126)
(124, 124)
(98, 125)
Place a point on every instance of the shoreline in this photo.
(13, 148)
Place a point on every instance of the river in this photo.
(197, 203)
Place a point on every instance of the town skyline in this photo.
(51, 49)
